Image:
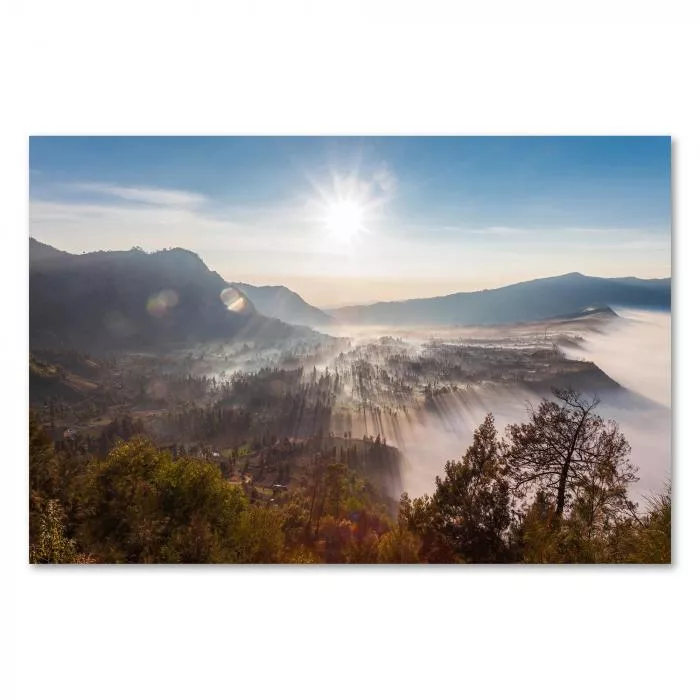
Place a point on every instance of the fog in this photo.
(429, 440)
(634, 350)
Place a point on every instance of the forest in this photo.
(552, 489)
(191, 428)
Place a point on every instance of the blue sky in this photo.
(430, 215)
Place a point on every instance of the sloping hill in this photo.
(517, 303)
(131, 299)
(41, 254)
(284, 304)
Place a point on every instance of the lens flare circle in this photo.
(159, 304)
(233, 300)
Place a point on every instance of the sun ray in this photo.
(346, 207)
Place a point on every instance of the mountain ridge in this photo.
(279, 301)
(530, 300)
(567, 275)
(132, 300)
(180, 269)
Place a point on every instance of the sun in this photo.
(346, 209)
(344, 218)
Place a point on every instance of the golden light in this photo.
(344, 218)
(234, 300)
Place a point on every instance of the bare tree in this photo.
(567, 450)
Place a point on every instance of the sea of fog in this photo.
(635, 351)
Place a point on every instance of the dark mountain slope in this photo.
(284, 304)
(517, 303)
(131, 299)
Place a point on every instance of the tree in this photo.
(645, 539)
(571, 453)
(534, 538)
(126, 523)
(147, 508)
(52, 546)
(336, 476)
(44, 477)
(471, 504)
(260, 537)
(202, 512)
(400, 545)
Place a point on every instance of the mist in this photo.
(428, 440)
(634, 351)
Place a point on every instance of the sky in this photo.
(344, 220)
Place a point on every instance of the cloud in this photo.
(144, 195)
(569, 235)
(83, 226)
(386, 180)
(290, 237)
(567, 232)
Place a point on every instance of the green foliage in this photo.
(125, 522)
(573, 454)
(149, 508)
(364, 549)
(628, 538)
(43, 465)
(203, 513)
(419, 516)
(51, 545)
(399, 546)
(646, 540)
(553, 491)
(260, 538)
(468, 516)
(52, 479)
(471, 504)
(302, 555)
(140, 505)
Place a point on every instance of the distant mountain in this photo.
(284, 304)
(517, 303)
(131, 299)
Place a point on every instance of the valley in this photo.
(333, 427)
(264, 411)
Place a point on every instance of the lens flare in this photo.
(233, 300)
(159, 304)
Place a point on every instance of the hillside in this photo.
(51, 380)
(284, 304)
(534, 300)
(120, 300)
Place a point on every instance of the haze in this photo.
(356, 220)
(633, 350)
(342, 221)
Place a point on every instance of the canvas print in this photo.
(349, 350)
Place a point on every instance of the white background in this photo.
(335, 68)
